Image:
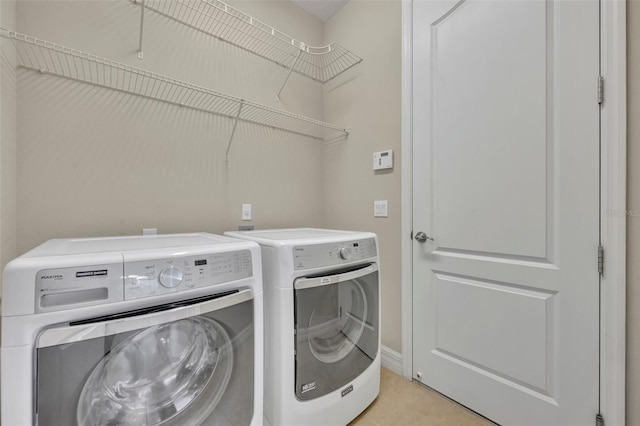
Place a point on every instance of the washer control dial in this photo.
(345, 253)
(171, 277)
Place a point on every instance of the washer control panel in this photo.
(162, 276)
(319, 255)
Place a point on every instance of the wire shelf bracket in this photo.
(140, 52)
(219, 20)
(233, 131)
(288, 74)
(53, 59)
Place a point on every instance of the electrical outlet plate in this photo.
(246, 212)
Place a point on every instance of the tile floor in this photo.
(402, 402)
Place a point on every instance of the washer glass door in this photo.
(189, 362)
(337, 328)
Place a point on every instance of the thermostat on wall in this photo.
(383, 160)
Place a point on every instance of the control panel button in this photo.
(345, 253)
(171, 277)
(134, 282)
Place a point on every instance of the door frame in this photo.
(613, 182)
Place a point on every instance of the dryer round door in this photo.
(337, 322)
(337, 327)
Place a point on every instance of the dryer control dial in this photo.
(171, 277)
(345, 253)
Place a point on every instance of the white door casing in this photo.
(505, 180)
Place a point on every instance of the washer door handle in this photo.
(76, 333)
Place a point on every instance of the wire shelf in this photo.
(51, 58)
(224, 22)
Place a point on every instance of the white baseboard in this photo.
(391, 360)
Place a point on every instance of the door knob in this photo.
(421, 237)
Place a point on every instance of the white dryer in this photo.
(134, 331)
(322, 335)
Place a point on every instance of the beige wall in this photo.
(8, 138)
(633, 221)
(95, 162)
(367, 98)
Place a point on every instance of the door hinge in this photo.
(600, 90)
(599, 420)
(600, 260)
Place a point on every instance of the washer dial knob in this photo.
(171, 277)
(345, 253)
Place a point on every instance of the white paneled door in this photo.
(506, 207)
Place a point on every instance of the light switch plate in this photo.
(381, 208)
(383, 160)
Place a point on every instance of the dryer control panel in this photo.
(162, 276)
(337, 253)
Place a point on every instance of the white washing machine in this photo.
(322, 334)
(134, 331)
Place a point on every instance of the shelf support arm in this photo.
(140, 53)
(233, 131)
(289, 73)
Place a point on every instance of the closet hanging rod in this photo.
(219, 20)
(50, 58)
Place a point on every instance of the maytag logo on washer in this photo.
(308, 387)
(346, 390)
